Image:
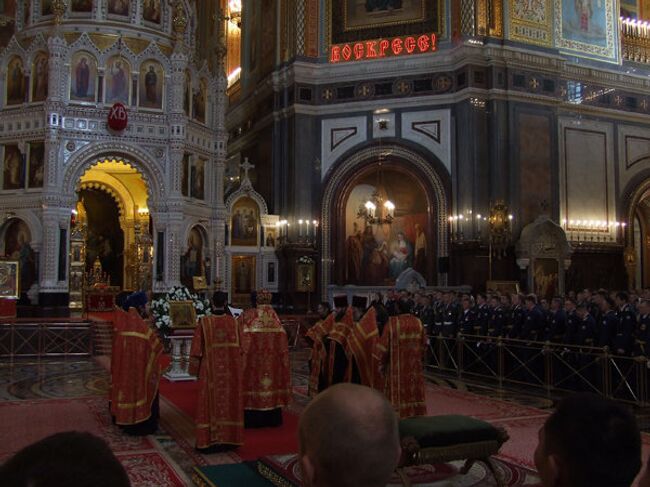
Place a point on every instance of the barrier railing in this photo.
(49, 339)
(551, 367)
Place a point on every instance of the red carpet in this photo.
(257, 442)
(25, 422)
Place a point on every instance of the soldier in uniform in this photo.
(497, 318)
(482, 313)
(556, 323)
(642, 334)
(571, 322)
(517, 315)
(533, 320)
(608, 323)
(449, 316)
(438, 310)
(585, 337)
(624, 339)
(468, 318)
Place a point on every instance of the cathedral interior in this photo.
(318, 148)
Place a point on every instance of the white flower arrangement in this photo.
(305, 259)
(160, 306)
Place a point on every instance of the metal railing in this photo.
(551, 367)
(46, 339)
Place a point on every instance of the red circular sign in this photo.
(117, 117)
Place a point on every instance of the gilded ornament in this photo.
(180, 20)
(58, 9)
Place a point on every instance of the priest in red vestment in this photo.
(318, 358)
(135, 374)
(267, 373)
(362, 341)
(339, 368)
(216, 357)
(400, 352)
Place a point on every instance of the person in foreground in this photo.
(589, 441)
(64, 459)
(348, 438)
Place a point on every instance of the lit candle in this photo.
(300, 222)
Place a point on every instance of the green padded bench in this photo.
(440, 439)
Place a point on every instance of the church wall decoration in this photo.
(588, 28)
(199, 99)
(46, 7)
(244, 223)
(377, 254)
(152, 11)
(151, 85)
(83, 77)
(185, 175)
(545, 277)
(36, 165)
(39, 78)
(243, 275)
(13, 173)
(354, 20)
(117, 82)
(9, 279)
(7, 21)
(197, 179)
(15, 94)
(17, 247)
(531, 22)
(119, 7)
(81, 6)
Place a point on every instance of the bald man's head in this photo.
(348, 437)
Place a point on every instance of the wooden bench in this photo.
(429, 440)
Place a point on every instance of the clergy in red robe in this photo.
(362, 342)
(135, 374)
(400, 352)
(339, 368)
(267, 373)
(318, 357)
(216, 357)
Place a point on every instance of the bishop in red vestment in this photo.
(267, 373)
(362, 342)
(318, 358)
(339, 368)
(135, 374)
(400, 351)
(216, 355)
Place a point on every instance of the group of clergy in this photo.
(363, 345)
(242, 367)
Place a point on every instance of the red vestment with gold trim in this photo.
(338, 354)
(318, 357)
(267, 373)
(135, 368)
(401, 349)
(362, 341)
(217, 356)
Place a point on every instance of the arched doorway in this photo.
(638, 234)
(113, 215)
(417, 237)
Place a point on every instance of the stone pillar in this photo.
(221, 144)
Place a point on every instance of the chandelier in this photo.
(377, 210)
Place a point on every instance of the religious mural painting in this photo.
(185, 175)
(531, 21)
(83, 77)
(151, 85)
(7, 21)
(187, 97)
(243, 274)
(244, 223)
(9, 280)
(15, 81)
(197, 179)
(198, 102)
(151, 11)
(270, 237)
(545, 277)
(377, 254)
(17, 243)
(353, 20)
(588, 28)
(119, 7)
(13, 172)
(40, 77)
(46, 7)
(117, 81)
(192, 260)
(36, 166)
(81, 6)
